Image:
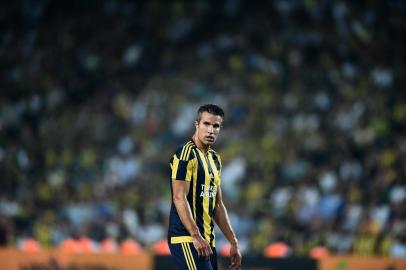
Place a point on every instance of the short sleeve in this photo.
(182, 169)
(182, 164)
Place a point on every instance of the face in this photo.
(208, 128)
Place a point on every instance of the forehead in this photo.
(208, 117)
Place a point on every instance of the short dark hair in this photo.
(210, 108)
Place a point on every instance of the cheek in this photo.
(201, 130)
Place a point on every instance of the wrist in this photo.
(195, 233)
(234, 242)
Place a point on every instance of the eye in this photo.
(216, 126)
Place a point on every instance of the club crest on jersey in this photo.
(211, 174)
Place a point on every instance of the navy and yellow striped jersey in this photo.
(203, 172)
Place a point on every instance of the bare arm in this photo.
(180, 191)
(222, 220)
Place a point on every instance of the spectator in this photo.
(94, 96)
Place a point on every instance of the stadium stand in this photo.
(96, 96)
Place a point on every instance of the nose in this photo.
(210, 129)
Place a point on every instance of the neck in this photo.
(199, 144)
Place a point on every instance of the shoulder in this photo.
(184, 151)
(215, 155)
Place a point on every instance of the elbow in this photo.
(218, 209)
(220, 206)
(178, 198)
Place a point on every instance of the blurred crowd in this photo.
(97, 95)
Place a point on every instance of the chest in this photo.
(208, 169)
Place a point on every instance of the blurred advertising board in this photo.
(361, 263)
(11, 259)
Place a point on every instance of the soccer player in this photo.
(197, 199)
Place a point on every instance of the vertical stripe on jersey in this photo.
(216, 173)
(211, 200)
(206, 200)
(174, 166)
(200, 178)
(217, 162)
(185, 151)
(213, 204)
(189, 171)
(195, 186)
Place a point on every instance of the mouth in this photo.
(210, 138)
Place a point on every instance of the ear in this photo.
(196, 123)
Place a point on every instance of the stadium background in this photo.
(96, 95)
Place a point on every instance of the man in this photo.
(197, 199)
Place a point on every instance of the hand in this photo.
(202, 246)
(235, 256)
